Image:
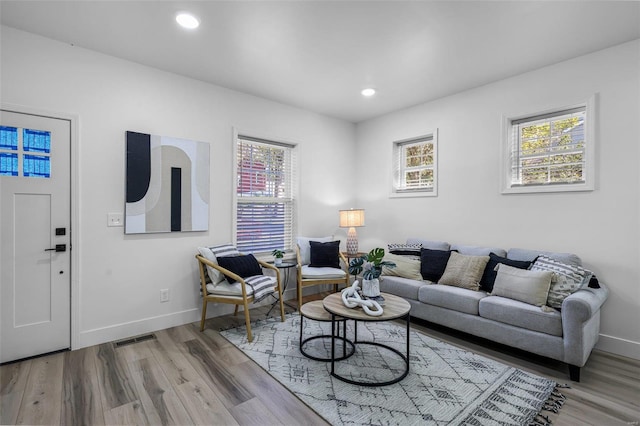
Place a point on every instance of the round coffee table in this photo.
(315, 311)
(394, 308)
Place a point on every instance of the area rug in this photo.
(445, 386)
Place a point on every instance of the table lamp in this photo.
(352, 219)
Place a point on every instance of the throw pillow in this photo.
(464, 271)
(325, 254)
(527, 286)
(211, 254)
(569, 278)
(433, 263)
(412, 250)
(244, 266)
(305, 248)
(489, 275)
(405, 267)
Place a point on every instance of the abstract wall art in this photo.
(167, 184)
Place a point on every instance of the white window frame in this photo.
(289, 199)
(398, 169)
(509, 139)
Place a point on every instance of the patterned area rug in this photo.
(445, 386)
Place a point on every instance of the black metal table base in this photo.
(404, 357)
(345, 354)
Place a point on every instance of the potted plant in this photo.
(277, 255)
(370, 265)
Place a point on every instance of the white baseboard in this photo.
(618, 346)
(134, 328)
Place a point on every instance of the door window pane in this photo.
(8, 138)
(36, 166)
(8, 164)
(36, 140)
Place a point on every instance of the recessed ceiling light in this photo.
(368, 92)
(187, 20)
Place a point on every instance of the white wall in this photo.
(120, 276)
(602, 226)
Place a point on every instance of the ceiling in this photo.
(319, 55)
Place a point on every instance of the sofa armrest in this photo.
(584, 303)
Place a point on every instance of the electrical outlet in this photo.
(164, 295)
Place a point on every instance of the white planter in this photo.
(277, 261)
(371, 288)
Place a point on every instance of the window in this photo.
(414, 166)
(549, 152)
(265, 195)
(15, 143)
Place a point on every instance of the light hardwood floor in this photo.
(188, 377)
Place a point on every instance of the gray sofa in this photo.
(567, 335)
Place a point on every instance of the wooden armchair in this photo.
(309, 275)
(241, 292)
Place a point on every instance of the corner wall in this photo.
(601, 226)
(120, 276)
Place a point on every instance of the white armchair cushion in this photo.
(322, 273)
(305, 247)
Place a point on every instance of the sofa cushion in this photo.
(403, 287)
(520, 314)
(478, 250)
(464, 271)
(569, 279)
(520, 284)
(531, 255)
(429, 244)
(406, 267)
(454, 298)
(489, 275)
(433, 263)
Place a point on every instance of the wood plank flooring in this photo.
(188, 377)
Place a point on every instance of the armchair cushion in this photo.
(321, 273)
(259, 285)
(305, 247)
(244, 266)
(325, 254)
(211, 254)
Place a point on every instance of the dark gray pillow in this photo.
(244, 266)
(325, 254)
(433, 263)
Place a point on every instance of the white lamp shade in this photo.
(351, 218)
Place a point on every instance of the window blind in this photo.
(265, 176)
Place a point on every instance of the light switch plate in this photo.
(115, 219)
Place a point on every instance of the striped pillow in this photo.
(212, 253)
(569, 279)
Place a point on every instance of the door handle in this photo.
(58, 248)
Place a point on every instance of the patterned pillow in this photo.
(569, 279)
(409, 250)
(406, 267)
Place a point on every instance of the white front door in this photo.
(35, 235)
